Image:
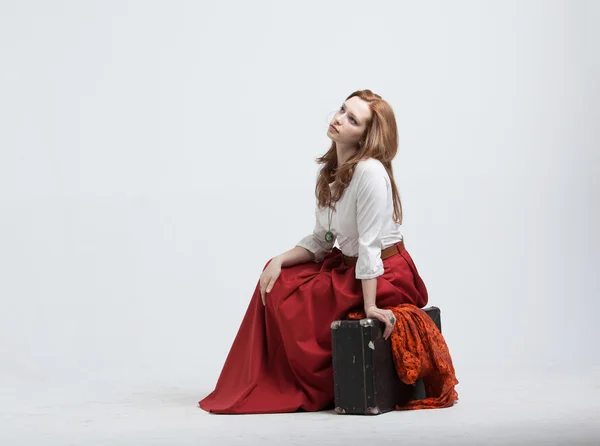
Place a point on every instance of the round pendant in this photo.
(329, 237)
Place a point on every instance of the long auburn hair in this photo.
(380, 141)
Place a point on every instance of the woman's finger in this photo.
(388, 326)
(262, 293)
(270, 285)
(382, 318)
(392, 322)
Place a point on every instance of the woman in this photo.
(280, 360)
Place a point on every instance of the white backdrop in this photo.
(154, 155)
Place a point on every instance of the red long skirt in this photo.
(280, 360)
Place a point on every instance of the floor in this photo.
(558, 409)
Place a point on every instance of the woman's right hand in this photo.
(268, 278)
(385, 316)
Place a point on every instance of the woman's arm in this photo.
(371, 210)
(369, 288)
(296, 255)
(314, 243)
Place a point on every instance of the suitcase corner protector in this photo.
(373, 410)
(339, 410)
(368, 322)
(335, 325)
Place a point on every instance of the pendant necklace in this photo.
(329, 234)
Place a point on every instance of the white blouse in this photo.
(362, 223)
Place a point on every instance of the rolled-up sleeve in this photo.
(316, 242)
(371, 207)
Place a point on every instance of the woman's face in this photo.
(350, 122)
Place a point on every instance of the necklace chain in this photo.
(329, 234)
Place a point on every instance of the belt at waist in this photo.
(396, 248)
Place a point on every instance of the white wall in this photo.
(154, 155)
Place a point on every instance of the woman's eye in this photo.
(353, 120)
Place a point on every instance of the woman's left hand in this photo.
(385, 316)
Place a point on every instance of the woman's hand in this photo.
(385, 316)
(268, 277)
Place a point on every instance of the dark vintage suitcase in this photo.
(364, 374)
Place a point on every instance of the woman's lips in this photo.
(333, 129)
